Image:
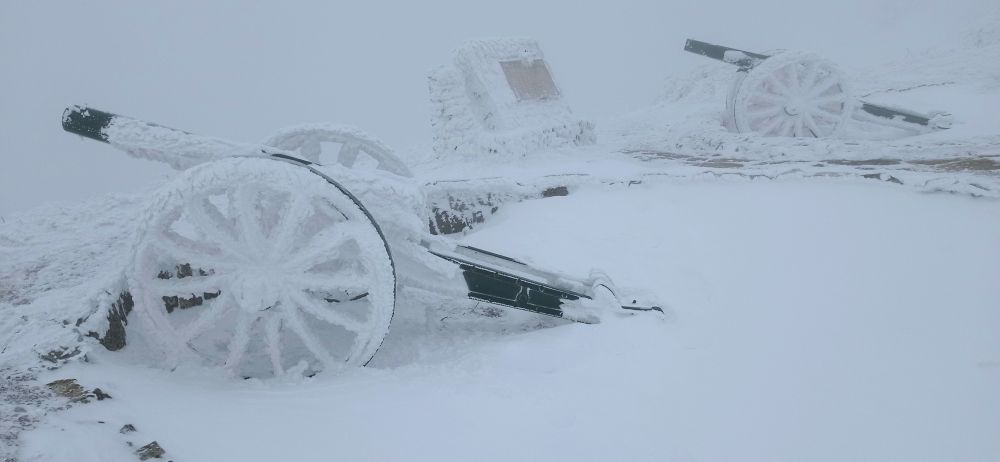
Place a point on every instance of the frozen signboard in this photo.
(499, 98)
(530, 80)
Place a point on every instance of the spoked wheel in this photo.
(263, 268)
(791, 94)
(348, 146)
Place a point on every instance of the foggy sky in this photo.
(241, 69)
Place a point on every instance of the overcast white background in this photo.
(241, 69)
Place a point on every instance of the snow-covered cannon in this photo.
(264, 263)
(801, 95)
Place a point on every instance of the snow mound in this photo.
(62, 266)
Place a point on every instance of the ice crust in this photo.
(152, 142)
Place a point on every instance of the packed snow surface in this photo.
(806, 320)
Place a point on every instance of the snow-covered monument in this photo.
(498, 98)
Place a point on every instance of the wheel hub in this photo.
(259, 288)
(795, 105)
(793, 109)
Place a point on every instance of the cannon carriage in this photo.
(286, 256)
(259, 260)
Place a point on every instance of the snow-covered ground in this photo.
(807, 320)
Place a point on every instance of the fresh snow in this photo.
(806, 320)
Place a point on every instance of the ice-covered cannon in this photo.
(801, 95)
(264, 263)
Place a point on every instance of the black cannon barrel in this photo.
(741, 58)
(87, 122)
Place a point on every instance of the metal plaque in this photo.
(530, 81)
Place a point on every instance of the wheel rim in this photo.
(348, 146)
(263, 268)
(793, 95)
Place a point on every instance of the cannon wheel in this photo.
(312, 141)
(263, 268)
(791, 94)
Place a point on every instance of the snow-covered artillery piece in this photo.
(264, 262)
(801, 95)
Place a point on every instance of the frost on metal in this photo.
(458, 208)
(498, 99)
(153, 142)
(354, 147)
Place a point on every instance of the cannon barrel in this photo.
(146, 140)
(87, 122)
(743, 59)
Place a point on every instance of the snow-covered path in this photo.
(808, 320)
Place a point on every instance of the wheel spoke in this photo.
(822, 101)
(297, 211)
(312, 149)
(338, 283)
(323, 247)
(771, 127)
(836, 115)
(825, 116)
(798, 130)
(240, 340)
(294, 322)
(211, 313)
(207, 218)
(786, 127)
(811, 124)
(272, 331)
(824, 85)
(793, 76)
(766, 112)
(812, 72)
(780, 86)
(762, 121)
(245, 208)
(770, 99)
(184, 250)
(348, 153)
(326, 312)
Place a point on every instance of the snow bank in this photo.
(62, 265)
